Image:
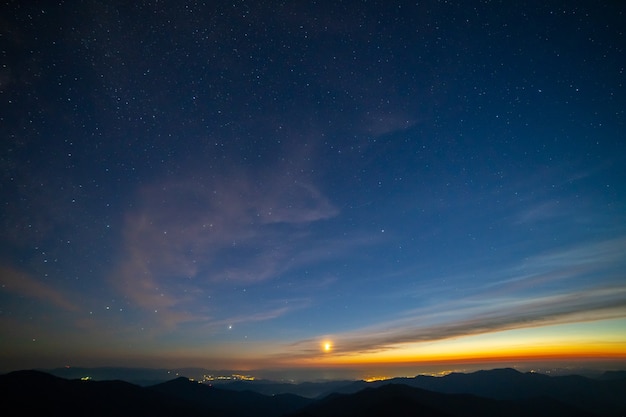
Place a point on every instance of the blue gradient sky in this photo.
(234, 184)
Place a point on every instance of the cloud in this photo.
(20, 283)
(500, 315)
(187, 238)
(591, 287)
(542, 211)
(572, 266)
(264, 315)
(384, 123)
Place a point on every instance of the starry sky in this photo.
(281, 184)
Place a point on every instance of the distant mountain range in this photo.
(500, 392)
(137, 376)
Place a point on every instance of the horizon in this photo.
(493, 392)
(324, 186)
(319, 375)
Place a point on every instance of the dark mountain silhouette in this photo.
(402, 400)
(607, 397)
(503, 392)
(303, 389)
(226, 402)
(36, 393)
(137, 376)
(612, 375)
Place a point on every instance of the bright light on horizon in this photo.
(597, 340)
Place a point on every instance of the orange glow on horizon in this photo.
(364, 360)
(524, 353)
(574, 342)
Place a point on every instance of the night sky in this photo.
(341, 184)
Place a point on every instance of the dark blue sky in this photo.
(235, 183)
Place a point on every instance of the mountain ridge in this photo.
(487, 393)
(404, 400)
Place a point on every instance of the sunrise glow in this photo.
(582, 341)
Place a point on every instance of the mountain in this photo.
(37, 393)
(304, 389)
(241, 403)
(612, 375)
(607, 397)
(137, 376)
(402, 400)
(503, 392)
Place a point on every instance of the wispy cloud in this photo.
(541, 211)
(590, 287)
(269, 313)
(188, 238)
(499, 315)
(20, 283)
(382, 123)
(573, 266)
